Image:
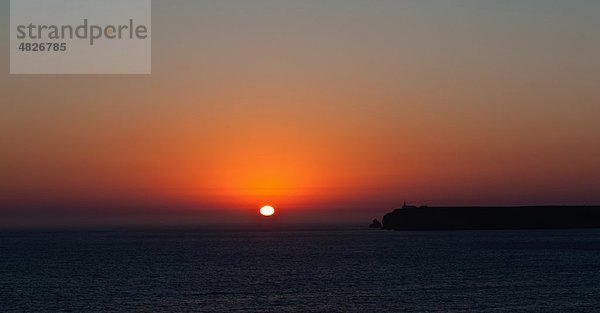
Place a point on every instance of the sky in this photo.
(333, 111)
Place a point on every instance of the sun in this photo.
(267, 210)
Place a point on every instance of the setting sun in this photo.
(267, 211)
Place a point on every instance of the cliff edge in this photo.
(523, 217)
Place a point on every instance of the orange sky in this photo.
(317, 109)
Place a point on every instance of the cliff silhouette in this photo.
(463, 218)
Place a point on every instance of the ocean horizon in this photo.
(358, 270)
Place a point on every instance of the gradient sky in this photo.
(331, 110)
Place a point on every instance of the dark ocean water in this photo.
(304, 271)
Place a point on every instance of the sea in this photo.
(352, 270)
